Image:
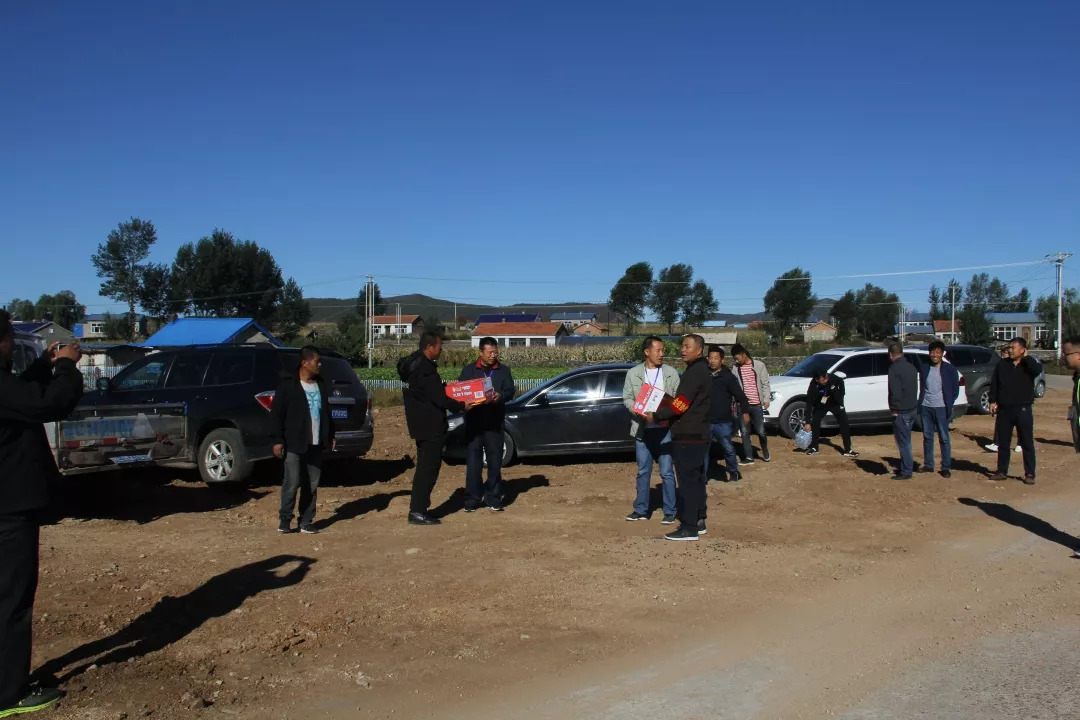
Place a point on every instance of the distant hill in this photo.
(332, 309)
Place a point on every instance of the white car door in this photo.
(866, 383)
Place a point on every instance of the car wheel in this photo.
(222, 457)
(984, 401)
(1040, 389)
(792, 419)
(508, 451)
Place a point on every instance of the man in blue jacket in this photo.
(484, 430)
(939, 388)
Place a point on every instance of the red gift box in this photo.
(479, 390)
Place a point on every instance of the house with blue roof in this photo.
(572, 320)
(48, 331)
(501, 318)
(210, 331)
(1027, 325)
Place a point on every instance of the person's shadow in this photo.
(173, 618)
(1012, 516)
(355, 508)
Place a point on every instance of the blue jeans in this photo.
(656, 446)
(936, 420)
(757, 425)
(723, 433)
(902, 425)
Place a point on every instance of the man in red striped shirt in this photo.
(754, 380)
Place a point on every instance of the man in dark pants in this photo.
(302, 429)
(903, 400)
(826, 395)
(484, 430)
(939, 387)
(727, 400)
(1070, 353)
(1012, 392)
(426, 405)
(46, 392)
(689, 416)
(754, 379)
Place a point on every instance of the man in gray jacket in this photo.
(653, 440)
(903, 400)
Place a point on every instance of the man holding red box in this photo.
(484, 429)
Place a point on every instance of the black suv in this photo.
(207, 406)
(977, 365)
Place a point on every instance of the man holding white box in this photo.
(653, 439)
(484, 428)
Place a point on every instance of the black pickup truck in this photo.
(204, 406)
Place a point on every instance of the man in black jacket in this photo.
(1070, 354)
(903, 400)
(1012, 392)
(689, 416)
(826, 395)
(426, 405)
(484, 430)
(303, 429)
(46, 392)
(727, 399)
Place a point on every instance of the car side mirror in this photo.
(543, 400)
(103, 384)
(840, 374)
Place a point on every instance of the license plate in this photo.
(128, 459)
(339, 413)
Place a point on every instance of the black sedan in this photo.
(580, 411)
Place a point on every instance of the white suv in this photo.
(866, 382)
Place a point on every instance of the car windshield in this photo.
(814, 364)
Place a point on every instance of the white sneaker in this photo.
(991, 447)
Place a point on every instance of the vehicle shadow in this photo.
(872, 467)
(1012, 516)
(141, 496)
(361, 506)
(563, 460)
(344, 472)
(173, 618)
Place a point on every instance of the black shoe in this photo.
(999, 477)
(746, 461)
(766, 456)
(901, 476)
(701, 529)
(668, 520)
(851, 454)
(472, 507)
(308, 530)
(419, 518)
(946, 474)
(496, 507)
(683, 534)
(734, 477)
(811, 451)
(36, 699)
(1029, 479)
(925, 469)
(285, 526)
(636, 516)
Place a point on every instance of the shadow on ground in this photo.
(173, 618)
(1012, 516)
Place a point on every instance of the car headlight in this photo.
(454, 423)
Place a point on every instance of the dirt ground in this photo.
(161, 597)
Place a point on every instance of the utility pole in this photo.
(900, 324)
(398, 325)
(952, 306)
(1059, 260)
(369, 321)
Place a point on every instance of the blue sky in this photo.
(548, 144)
